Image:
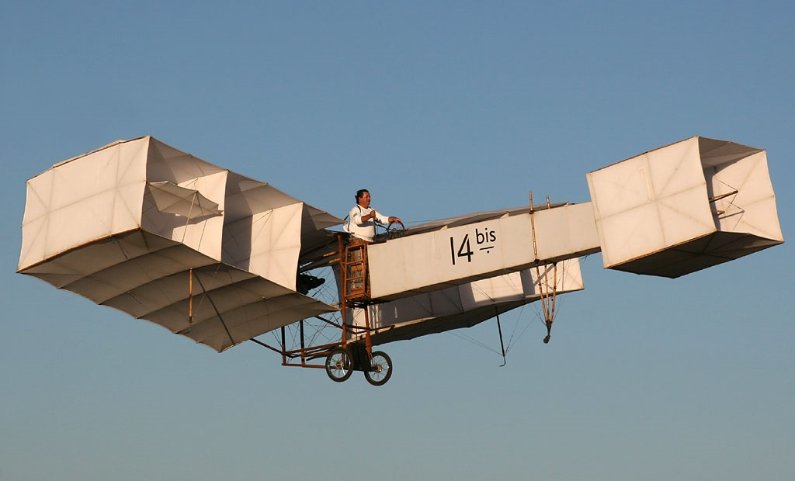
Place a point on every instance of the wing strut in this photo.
(548, 293)
(548, 297)
(502, 345)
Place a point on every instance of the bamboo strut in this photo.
(190, 296)
(545, 291)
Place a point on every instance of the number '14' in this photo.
(464, 250)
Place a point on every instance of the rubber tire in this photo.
(380, 369)
(339, 365)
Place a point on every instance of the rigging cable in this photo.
(217, 313)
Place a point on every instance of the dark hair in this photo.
(360, 193)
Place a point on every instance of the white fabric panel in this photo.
(37, 197)
(493, 290)
(414, 307)
(680, 192)
(620, 187)
(467, 304)
(721, 152)
(319, 219)
(450, 256)
(649, 202)
(751, 178)
(654, 212)
(203, 234)
(229, 300)
(245, 197)
(127, 276)
(165, 163)
(173, 199)
(267, 244)
(98, 256)
(684, 216)
(35, 221)
(566, 231)
(276, 243)
(94, 227)
(168, 164)
(544, 279)
(129, 186)
(673, 169)
(253, 319)
(634, 233)
(232, 297)
(237, 243)
(756, 218)
(87, 198)
(169, 295)
(457, 255)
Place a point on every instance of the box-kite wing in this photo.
(164, 236)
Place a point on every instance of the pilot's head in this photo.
(363, 198)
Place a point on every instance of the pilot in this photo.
(362, 218)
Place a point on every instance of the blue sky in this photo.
(439, 108)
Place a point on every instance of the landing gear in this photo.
(380, 369)
(357, 354)
(339, 365)
(341, 362)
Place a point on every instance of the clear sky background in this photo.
(439, 108)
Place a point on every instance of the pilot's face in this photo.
(364, 200)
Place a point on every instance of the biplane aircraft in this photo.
(221, 258)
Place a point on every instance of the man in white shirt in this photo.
(362, 219)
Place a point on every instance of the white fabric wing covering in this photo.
(684, 207)
(480, 246)
(173, 199)
(136, 224)
(468, 304)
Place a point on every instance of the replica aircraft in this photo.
(221, 258)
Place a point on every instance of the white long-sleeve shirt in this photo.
(364, 230)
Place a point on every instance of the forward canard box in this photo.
(684, 207)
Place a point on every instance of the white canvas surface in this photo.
(128, 224)
(683, 203)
